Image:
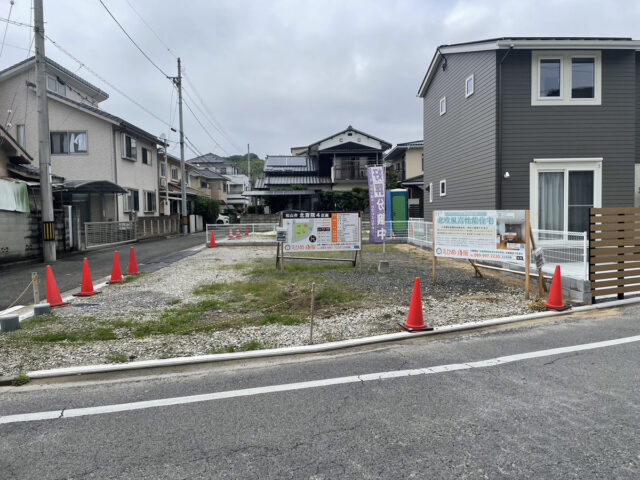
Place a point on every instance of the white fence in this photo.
(250, 232)
(99, 234)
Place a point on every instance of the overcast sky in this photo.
(283, 73)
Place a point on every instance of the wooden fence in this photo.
(614, 251)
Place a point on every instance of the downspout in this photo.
(115, 172)
(499, 156)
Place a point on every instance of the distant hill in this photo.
(257, 165)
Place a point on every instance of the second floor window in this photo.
(68, 142)
(56, 85)
(443, 105)
(163, 170)
(129, 147)
(174, 173)
(146, 156)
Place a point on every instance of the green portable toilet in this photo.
(398, 210)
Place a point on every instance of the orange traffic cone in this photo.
(133, 263)
(555, 301)
(116, 273)
(213, 240)
(239, 235)
(231, 237)
(54, 299)
(246, 231)
(86, 290)
(415, 321)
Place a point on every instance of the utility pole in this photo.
(44, 153)
(185, 220)
(249, 161)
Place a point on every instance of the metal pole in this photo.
(249, 161)
(44, 153)
(313, 291)
(35, 280)
(183, 188)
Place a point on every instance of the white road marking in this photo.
(163, 402)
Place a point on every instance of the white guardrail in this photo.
(99, 234)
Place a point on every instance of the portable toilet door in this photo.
(398, 208)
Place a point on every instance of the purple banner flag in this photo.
(377, 218)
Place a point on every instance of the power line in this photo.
(86, 67)
(133, 41)
(4, 37)
(212, 118)
(204, 128)
(152, 30)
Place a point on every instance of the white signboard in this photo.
(322, 231)
(494, 235)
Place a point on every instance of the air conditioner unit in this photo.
(163, 182)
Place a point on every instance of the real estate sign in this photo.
(494, 235)
(322, 231)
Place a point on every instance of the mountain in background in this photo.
(257, 165)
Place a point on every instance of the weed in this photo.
(175, 301)
(117, 358)
(42, 320)
(538, 305)
(252, 345)
(134, 278)
(20, 380)
(279, 318)
(227, 349)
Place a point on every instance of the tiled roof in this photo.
(289, 164)
(292, 180)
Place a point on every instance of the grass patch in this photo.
(134, 278)
(175, 301)
(252, 345)
(20, 380)
(117, 358)
(227, 349)
(280, 319)
(40, 321)
(538, 305)
(100, 334)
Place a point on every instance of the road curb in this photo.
(322, 347)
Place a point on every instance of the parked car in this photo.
(222, 219)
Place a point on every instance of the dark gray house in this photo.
(546, 124)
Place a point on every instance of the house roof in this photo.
(15, 152)
(384, 144)
(208, 158)
(400, 148)
(99, 94)
(209, 174)
(289, 164)
(418, 181)
(269, 180)
(31, 171)
(526, 43)
(106, 115)
(277, 193)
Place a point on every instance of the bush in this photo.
(256, 209)
(208, 208)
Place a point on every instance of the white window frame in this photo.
(128, 204)
(146, 203)
(467, 92)
(443, 105)
(177, 170)
(565, 57)
(430, 192)
(60, 88)
(67, 141)
(443, 183)
(564, 165)
(163, 170)
(134, 148)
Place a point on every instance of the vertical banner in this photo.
(377, 233)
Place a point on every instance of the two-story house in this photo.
(546, 124)
(338, 162)
(97, 153)
(405, 161)
(237, 181)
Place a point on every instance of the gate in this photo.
(100, 234)
(614, 251)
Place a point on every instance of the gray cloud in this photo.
(284, 73)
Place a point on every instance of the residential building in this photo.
(97, 153)
(236, 181)
(405, 161)
(546, 124)
(215, 163)
(338, 162)
(238, 184)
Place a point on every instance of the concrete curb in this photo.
(322, 347)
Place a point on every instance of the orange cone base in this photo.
(558, 308)
(115, 281)
(62, 305)
(86, 294)
(420, 329)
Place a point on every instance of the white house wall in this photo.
(355, 138)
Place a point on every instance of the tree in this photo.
(208, 208)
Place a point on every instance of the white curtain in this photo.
(78, 142)
(551, 200)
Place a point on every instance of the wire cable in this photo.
(6, 27)
(203, 127)
(152, 30)
(133, 41)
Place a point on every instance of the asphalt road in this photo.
(68, 269)
(569, 414)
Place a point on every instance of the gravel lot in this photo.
(458, 298)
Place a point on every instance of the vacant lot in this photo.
(233, 299)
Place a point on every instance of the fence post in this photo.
(36, 287)
(313, 291)
(585, 255)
